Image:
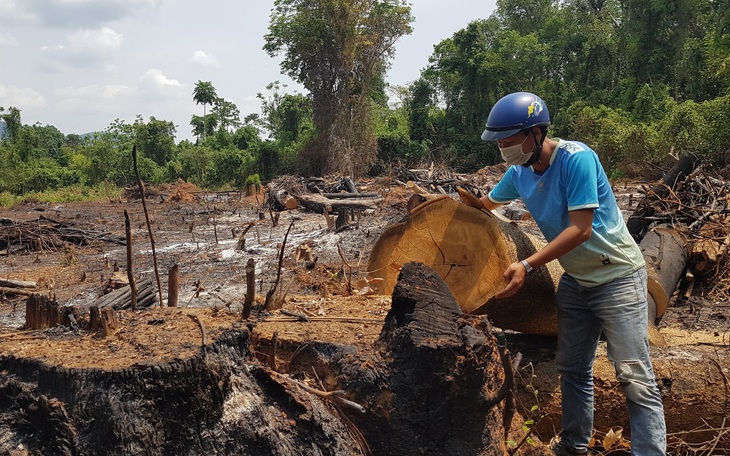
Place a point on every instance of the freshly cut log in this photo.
(284, 198)
(666, 255)
(470, 249)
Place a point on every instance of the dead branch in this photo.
(202, 328)
(147, 219)
(270, 303)
(130, 271)
(335, 396)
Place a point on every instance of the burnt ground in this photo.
(199, 231)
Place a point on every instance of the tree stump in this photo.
(437, 384)
(103, 321)
(42, 313)
(211, 403)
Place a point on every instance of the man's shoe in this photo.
(557, 447)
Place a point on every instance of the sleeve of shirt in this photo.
(505, 190)
(582, 180)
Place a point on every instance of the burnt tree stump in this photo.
(435, 387)
(212, 403)
(42, 313)
(103, 321)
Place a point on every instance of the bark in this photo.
(666, 254)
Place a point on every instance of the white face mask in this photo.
(513, 155)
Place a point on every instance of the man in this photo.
(603, 290)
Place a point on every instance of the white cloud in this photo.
(7, 41)
(154, 79)
(201, 58)
(93, 98)
(12, 13)
(99, 41)
(21, 97)
(87, 48)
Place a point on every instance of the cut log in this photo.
(350, 195)
(321, 205)
(121, 298)
(666, 255)
(17, 283)
(470, 249)
(15, 291)
(285, 199)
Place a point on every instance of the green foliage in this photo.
(7, 199)
(253, 179)
(623, 146)
(635, 80)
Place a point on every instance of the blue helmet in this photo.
(513, 113)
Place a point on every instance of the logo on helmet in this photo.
(535, 108)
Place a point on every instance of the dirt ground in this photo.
(199, 232)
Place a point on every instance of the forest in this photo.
(640, 81)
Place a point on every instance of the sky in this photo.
(81, 64)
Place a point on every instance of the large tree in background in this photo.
(338, 50)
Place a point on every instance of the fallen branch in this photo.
(202, 328)
(15, 291)
(334, 396)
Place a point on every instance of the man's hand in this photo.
(470, 199)
(515, 274)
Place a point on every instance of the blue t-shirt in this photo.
(575, 180)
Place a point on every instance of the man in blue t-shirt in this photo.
(603, 290)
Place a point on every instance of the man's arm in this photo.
(488, 203)
(579, 231)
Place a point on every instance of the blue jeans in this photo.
(619, 310)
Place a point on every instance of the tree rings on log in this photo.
(470, 249)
